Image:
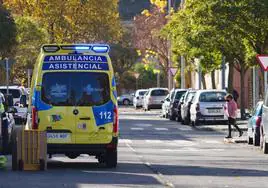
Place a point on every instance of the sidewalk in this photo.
(224, 129)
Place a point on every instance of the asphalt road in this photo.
(155, 152)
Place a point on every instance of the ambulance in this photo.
(74, 99)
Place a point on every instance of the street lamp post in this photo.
(169, 53)
(137, 77)
(7, 75)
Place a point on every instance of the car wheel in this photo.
(126, 102)
(172, 117)
(14, 152)
(256, 137)
(111, 159)
(178, 118)
(187, 121)
(261, 138)
(265, 147)
(250, 140)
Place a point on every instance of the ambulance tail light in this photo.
(116, 121)
(258, 121)
(34, 118)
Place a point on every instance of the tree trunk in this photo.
(213, 79)
(204, 81)
(231, 77)
(242, 91)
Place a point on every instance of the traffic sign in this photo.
(263, 61)
(173, 71)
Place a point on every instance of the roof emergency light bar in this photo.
(97, 48)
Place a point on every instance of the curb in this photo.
(235, 140)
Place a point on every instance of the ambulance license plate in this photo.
(58, 137)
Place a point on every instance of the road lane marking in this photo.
(125, 141)
(153, 141)
(182, 143)
(137, 128)
(190, 150)
(143, 124)
(185, 128)
(211, 141)
(161, 129)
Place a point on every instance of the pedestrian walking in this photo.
(230, 110)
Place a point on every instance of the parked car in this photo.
(175, 97)
(125, 99)
(165, 106)
(178, 108)
(20, 102)
(264, 126)
(138, 98)
(207, 105)
(185, 107)
(154, 98)
(16, 91)
(254, 124)
(11, 127)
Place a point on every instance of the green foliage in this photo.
(7, 33)
(30, 37)
(73, 21)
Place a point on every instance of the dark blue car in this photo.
(254, 124)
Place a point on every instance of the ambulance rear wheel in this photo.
(111, 159)
(14, 152)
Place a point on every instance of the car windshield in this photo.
(75, 88)
(141, 93)
(190, 96)
(212, 96)
(159, 92)
(14, 92)
(179, 94)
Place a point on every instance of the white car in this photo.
(207, 105)
(165, 106)
(186, 105)
(15, 91)
(138, 98)
(11, 127)
(154, 98)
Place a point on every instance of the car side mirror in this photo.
(162, 101)
(137, 97)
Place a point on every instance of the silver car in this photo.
(207, 105)
(154, 98)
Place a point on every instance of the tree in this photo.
(233, 29)
(73, 21)
(30, 38)
(146, 33)
(7, 36)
